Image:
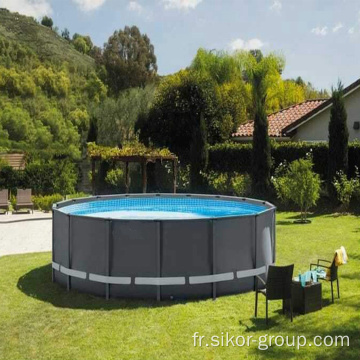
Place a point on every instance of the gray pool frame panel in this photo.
(162, 259)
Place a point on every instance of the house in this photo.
(16, 161)
(309, 120)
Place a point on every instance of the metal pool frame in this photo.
(162, 259)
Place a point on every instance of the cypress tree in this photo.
(261, 152)
(338, 137)
(199, 154)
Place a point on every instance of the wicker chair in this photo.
(333, 274)
(23, 200)
(4, 197)
(277, 287)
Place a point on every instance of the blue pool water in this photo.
(151, 208)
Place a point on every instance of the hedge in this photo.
(43, 177)
(229, 157)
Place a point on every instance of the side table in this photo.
(305, 299)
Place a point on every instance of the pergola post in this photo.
(93, 175)
(174, 164)
(144, 176)
(127, 185)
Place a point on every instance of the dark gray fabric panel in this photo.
(134, 253)
(186, 252)
(264, 246)
(265, 240)
(88, 251)
(234, 241)
(60, 244)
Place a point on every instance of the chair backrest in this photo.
(23, 196)
(4, 196)
(333, 270)
(279, 280)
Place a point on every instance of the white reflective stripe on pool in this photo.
(146, 215)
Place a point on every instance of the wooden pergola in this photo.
(143, 160)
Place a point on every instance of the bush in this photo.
(77, 195)
(48, 177)
(241, 184)
(346, 188)
(47, 21)
(45, 203)
(228, 183)
(300, 185)
(183, 181)
(10, 178)
(218, 182)
(115, 178)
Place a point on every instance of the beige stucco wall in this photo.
(316, 129)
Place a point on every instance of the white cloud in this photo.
(35, 8)
(181, 4)
(321, 31)
(276, 6)
(135, 6)
(240, 44)
(351, 30)
(89, 5)
(337, 27)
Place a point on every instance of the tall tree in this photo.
(338, 136)
(47, 21)
(261, 156)
(179, 101)
(115, 118)
(66, 34)
(129, 59)
(199, 154)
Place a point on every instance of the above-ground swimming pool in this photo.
(162, 246)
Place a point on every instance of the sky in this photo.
(319, 38)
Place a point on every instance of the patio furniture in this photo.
(277, 287)
(23, 200)
(4, 203)
(331, 273)
(305, 299)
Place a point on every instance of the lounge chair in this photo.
(277, 287)
(4, 203)
(331, 268)
(23, 200)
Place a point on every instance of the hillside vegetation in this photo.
(43, 41)
(46, 88)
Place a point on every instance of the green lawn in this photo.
(40, 320)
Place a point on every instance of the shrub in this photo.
(45, 203)
(228, 183)
(241, 184)
(3, 163)
(345, 188)
(47, 21)
(218, 182)
(10, 178)
(77, 195)
(300, 185)
(54, 176)
(115, 178)
(183, 180)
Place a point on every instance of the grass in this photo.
(40, 320)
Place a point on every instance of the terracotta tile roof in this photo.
(280, 120)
